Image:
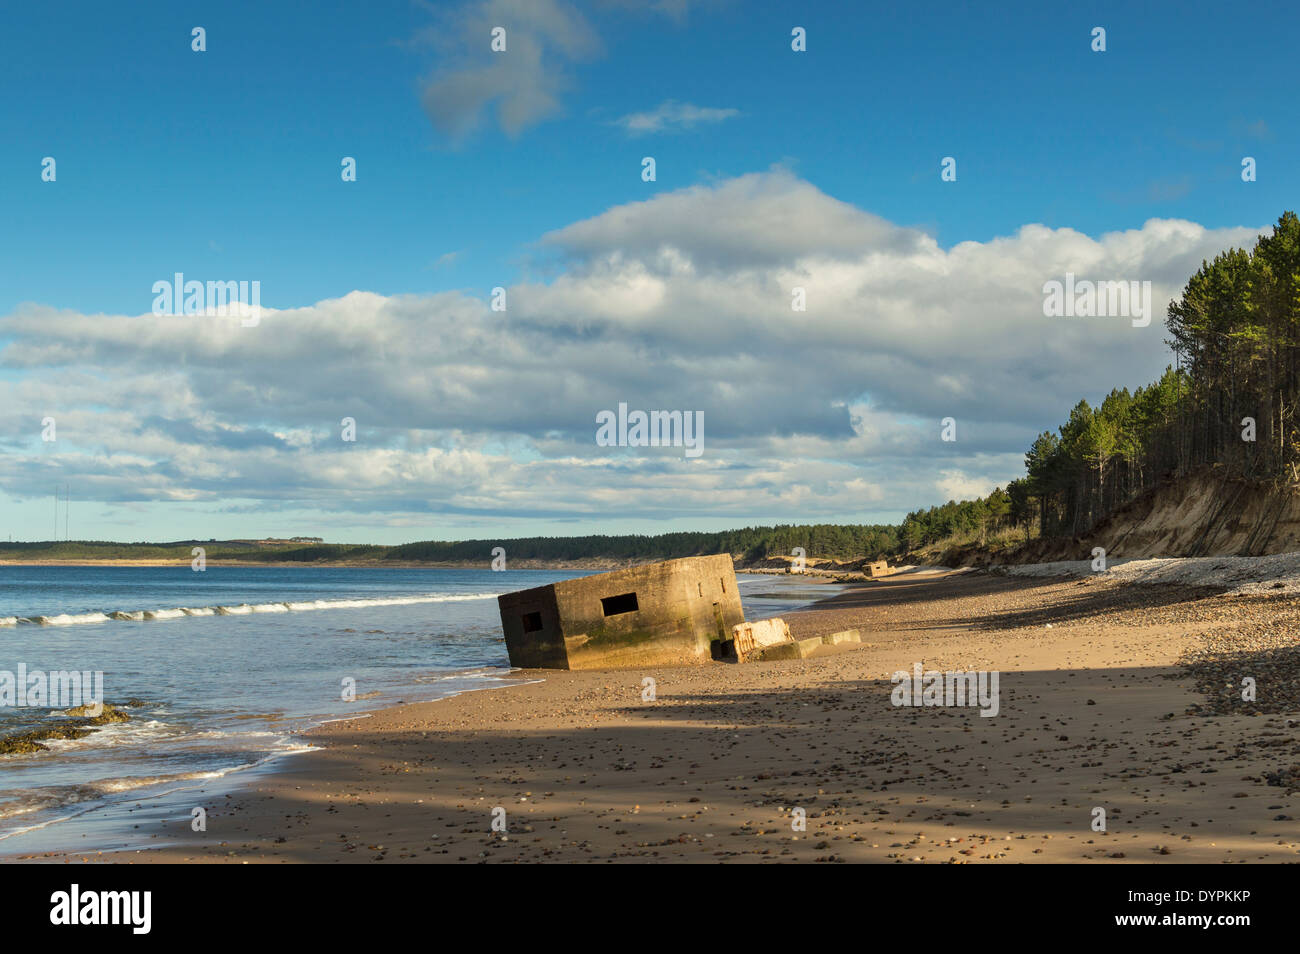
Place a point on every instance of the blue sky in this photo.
(225, 165)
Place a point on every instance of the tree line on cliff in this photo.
(1228, 400)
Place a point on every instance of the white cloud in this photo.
(525, 81)
(546, 40)
(958, 485)
(672, 116)
(770, 219)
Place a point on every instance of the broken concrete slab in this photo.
(769, 639)
(844, 636)
(793, 649)
(749, 638)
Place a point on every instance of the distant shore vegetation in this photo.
(750, 544)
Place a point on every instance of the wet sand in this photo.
(1096, 711)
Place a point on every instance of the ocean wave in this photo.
(19, 802)
(16, 802)
(76, 800)
(66, 619)
(240, 609)
(118, 734)
(164, 614)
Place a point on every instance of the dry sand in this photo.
(1095, 712)
(1236, 574)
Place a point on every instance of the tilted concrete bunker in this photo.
(670, 613)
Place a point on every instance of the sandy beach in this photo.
(1113, 696)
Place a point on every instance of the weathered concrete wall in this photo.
(879, 568)
(531, 648)
(682, 607)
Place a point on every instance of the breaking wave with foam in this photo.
(239, 609)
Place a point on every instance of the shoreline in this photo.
(164, 803)
(393, 564)
(1099, 709)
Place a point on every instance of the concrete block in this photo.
(844, 636)
(793, 649)
(750, 637)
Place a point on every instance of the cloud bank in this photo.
(681, 302)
